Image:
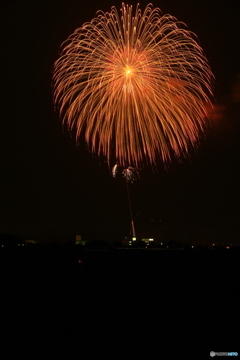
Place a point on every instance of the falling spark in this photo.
(115, 170)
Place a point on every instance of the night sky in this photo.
(51, 190)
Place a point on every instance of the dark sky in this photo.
(52, 191)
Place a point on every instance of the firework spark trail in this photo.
(130, 174)
(136, 85)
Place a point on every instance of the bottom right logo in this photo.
(213, 353)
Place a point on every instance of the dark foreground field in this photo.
(118, 304)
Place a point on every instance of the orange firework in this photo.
(136, 86)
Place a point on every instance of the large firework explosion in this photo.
(135, 85)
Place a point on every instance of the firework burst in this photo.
(134, 85)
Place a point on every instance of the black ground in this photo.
(119, 304)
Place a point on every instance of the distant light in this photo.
(227, 247)
(192, 246)
(134, 239)
(161, 243)
(151, 239)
